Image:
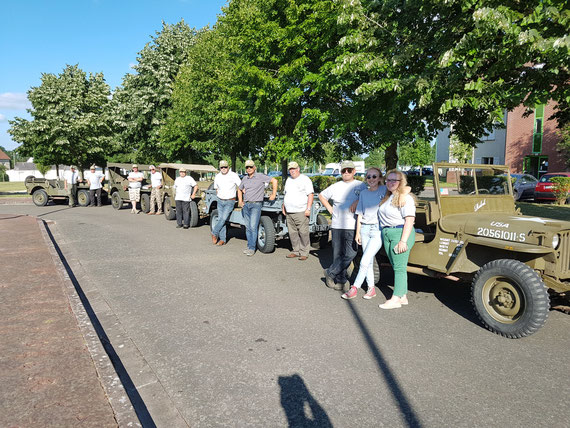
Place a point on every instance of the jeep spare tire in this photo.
(169, 212)
(266, 235)
(145, 202)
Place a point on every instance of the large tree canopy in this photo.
(70, 119)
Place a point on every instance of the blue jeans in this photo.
(371, 244)
(344, 250)
(225, 209)
(251, 212)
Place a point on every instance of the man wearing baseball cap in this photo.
(135, 178)
(186, 189)
(95, 182)
(70, 184)
(156, 190)
(297, 205)
(253, 188)
(226, 184)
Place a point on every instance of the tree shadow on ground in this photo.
(301, 409)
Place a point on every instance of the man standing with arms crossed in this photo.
(156, 190)
(135, 182)
(299, 194)
(71, 180)
(253, 188)
(343, 194)
(183, 186)
(226, 184)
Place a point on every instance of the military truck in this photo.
(118, 185)
(472, 232)
(272, 223)
(45, 190)
(204, 176)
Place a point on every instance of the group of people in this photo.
(94, 181)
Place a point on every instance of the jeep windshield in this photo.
(472, 180)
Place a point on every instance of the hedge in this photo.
(561, 189)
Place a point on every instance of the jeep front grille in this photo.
(564, 260)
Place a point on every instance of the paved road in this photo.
(211, 337)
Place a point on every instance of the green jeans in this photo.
(391, 236)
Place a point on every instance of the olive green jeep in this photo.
(44, 190)
(473, 232)
(119, 185)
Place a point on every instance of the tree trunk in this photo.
(284, 171)
(391, 156)
(233, 160)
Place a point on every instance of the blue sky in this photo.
(40, 36)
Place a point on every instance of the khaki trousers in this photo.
(298, 225)
(155, 197)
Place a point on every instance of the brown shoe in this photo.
(303, 258)
(159, 212)
(150, 213)
(220, 243)
(214, 239)
(291, 256)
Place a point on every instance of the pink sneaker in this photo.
(370, 294)
(350, 294)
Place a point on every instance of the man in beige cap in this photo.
(135, 182)
(297, 205)
(95, 182)
(186, 189)
(70, 184)
(226, 184)
(253, 188)
(156, 190)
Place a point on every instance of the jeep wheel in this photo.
(320, 239)
(116, 200)
(510, 298)
(516, 195)
(83, 198)
(194, 217)
(266, 235)
(169, 212)
(213, 219)
(145, 203)
(40, 198)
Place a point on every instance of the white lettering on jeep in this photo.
(480, 205)
(501, 234)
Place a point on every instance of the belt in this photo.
(401, 226)
(253, 202)
(230, 199)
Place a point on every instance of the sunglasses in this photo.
(368, 177)
(223, 167)
(392, 181)
(248, 167)
(347, 170)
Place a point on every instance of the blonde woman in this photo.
(368, 232)
(397, 214)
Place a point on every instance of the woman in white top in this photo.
(368, 232)
(397, 215)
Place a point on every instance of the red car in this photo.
(543, 189)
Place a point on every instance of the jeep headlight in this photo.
(203, 195)
(555, 241)
(317, 206)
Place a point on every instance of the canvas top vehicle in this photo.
(118, 184)
(44, 190)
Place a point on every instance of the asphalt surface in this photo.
(210, 337)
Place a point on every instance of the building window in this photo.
(487, 161)
(538, 125)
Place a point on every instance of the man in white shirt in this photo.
(95, 182)
(135, 182)
(156, 190)
(186, 189)
(343, 227)
(299, 194)
(226, 184)
(70, 184)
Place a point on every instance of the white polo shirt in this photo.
(135, 184)
(183, 186)
(297, 191)
(226, 184)
(156, 179)
(343, 194)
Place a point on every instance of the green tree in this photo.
(417, 153)
(142, 103)
(70, 119)
(460, 151)
(375, 158)
(564, 143)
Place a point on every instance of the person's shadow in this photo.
(295, 397)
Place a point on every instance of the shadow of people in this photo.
(295, 397)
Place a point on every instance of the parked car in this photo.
(544, 188)
(523, 186)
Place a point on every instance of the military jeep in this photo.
(473, 232)
(45, 190)
(119, 185)
(204, 176)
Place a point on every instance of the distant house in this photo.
(22, 170)
(4, 159)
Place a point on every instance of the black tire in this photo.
(116, 200)
(213, 219)
(516, 195)
(169, 212)
(40, 198)
(320, 239)
(266, 235)
(194, 217)
(145, 202)
(510, 298)
(83, 198)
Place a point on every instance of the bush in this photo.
(321, 182)
(417, 183)
(561, 189)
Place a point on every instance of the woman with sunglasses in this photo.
(368, 232)
(397, 215)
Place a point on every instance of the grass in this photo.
(557, 212)
(10, 186)
(429, 183)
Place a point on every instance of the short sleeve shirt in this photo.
(95, 180)
(135, 184)
(155, 179)
(391, 216)
(297, 191)
(183, 186)
(226, 185)
(254, 187)
(343, 195)
(368, 204)
(71, 177)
